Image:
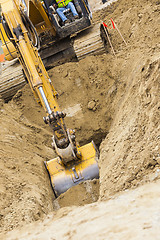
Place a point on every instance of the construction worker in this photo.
(63, 5)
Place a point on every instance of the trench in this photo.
(26, 140)
(108, 100)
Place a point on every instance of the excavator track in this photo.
(93, 41)
(11, 79)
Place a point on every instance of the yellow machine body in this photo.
(39, 18)
(63, 177)
(7, 46)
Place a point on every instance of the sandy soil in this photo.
(115, 102)
(131, 215)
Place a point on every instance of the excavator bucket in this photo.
(64, 177)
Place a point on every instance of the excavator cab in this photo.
(54, 38)
(67, 12)
(75, 26)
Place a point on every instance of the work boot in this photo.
(76, 17)
(67, 21)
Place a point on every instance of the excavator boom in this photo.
(74, 163)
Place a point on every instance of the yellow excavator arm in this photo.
(74, 163)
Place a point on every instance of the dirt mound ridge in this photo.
(115, 219)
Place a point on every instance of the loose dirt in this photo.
(115, 102)
(131, 215)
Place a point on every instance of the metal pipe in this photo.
(45, 100)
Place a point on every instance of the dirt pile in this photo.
(79, 195)
(104, 95)
(115, 219)
(23, 180)
(131, 150)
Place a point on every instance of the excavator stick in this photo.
(63, 177)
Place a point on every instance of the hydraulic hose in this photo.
(30, 27)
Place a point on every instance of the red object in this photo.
(106, 25)
(2, 59)
(112, 23)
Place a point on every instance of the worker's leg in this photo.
(61, 14)
(72, 7)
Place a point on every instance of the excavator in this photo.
(56, 43)
(32, 32)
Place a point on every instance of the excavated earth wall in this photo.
(113, 100)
